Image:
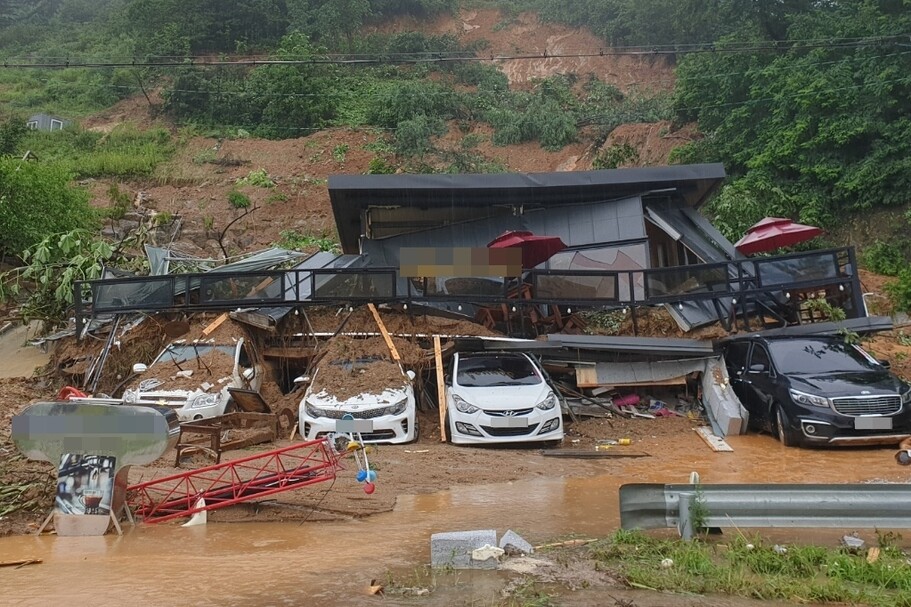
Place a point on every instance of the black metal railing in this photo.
(738, 283)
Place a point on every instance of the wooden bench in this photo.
(214, 428)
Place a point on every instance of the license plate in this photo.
(354, 425)
(873, 423)
(508, 422)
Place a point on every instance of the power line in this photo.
(137, 89)
(40, 62)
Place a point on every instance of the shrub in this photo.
(238, 200)
(885, 258)
(899, 290)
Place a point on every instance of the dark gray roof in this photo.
(351, 195)
(647, 345)
(862, 325)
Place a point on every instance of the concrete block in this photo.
(514, 544)
(720, 401)
(453, 549)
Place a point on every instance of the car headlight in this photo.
(203, 400)
(803, 398)
(130, 397)
(398, 408)
(906, 397)
(463, 405)
(313, 411)
(548, 403)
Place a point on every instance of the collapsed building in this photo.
(633, 239)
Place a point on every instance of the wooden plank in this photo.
(586, 377)
(379, 323)
(715, 443)
(215, 324)
(441, 391)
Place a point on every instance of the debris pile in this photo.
(26, 487)
(352, 366)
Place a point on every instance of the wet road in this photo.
(331, 563)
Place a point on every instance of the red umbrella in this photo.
(535, 249)
(774, 232)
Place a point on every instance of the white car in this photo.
(500, 397)
(193, 377)
(386, 411)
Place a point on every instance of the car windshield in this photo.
(816, 357)
(183, 352)
(506, 370)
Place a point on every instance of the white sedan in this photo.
(501, 397)
(384, 412)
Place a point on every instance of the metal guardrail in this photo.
(694, 507)
(738, 282)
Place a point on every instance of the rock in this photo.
(454, 549)
(126, 225)
(514, 544)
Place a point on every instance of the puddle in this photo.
(332, 563)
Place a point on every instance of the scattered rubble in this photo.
(456, 549)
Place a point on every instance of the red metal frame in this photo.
(236, 481)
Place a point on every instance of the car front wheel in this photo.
(786, 434)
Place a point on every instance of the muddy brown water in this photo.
(20, 359)
(331, 563)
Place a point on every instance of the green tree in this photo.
(813, 131)
(328, 20)
(37, 200)
(413, 136)
(52, 266)
(403, 101)
(12, 131)
(208, 25)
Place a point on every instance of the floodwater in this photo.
(332, 563)
(20, 359)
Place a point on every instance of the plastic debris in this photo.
(486, 552)
(853, 543)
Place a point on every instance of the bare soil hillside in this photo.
(556, 48)
(192, 190)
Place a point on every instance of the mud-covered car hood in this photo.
(365, 400)
(503, 397)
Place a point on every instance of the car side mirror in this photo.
(302, 379)
(411, 374)
(885, 363)
(140, 368)
(248, 374)
(760, 368)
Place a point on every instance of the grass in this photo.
(294, 240)
(752, 568)
(125, 152)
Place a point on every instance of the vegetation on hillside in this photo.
(807, 103)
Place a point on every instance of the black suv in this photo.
(818, 390)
